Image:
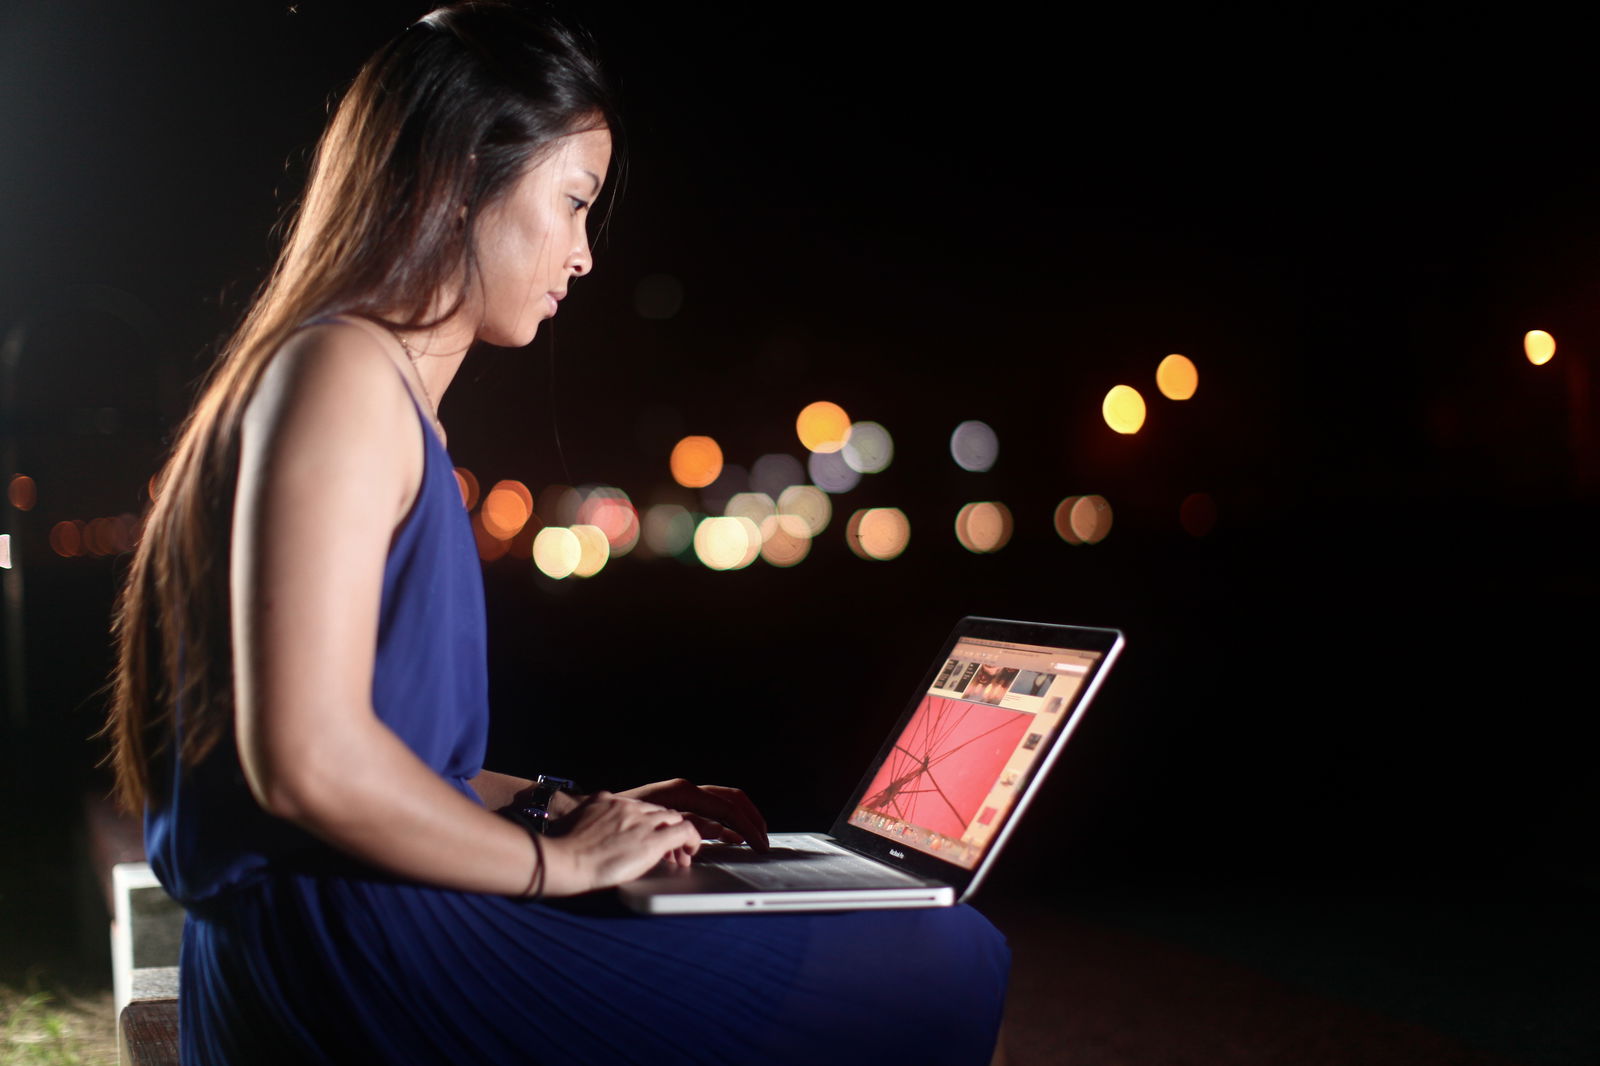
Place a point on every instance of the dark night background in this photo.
(1369, 678)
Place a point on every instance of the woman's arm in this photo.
(331, 457)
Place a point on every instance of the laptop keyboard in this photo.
(788, 868)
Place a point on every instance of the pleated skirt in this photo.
(310, 968)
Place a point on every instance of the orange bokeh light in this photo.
(506, 509)
(823, 427)
(469, 487)
(490, 547)
(1177, 377)
(696, 462)
(22, 492)
(66, 539)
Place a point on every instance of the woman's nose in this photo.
(582, 259)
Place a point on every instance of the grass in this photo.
(41, 1027)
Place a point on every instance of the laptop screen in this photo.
(952, 777)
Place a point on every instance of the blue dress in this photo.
(294, 953)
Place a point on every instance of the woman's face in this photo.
(535, 240)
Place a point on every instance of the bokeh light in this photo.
(506, 509)
(756, 506)
(1197, 514)
(782, 548)
(727, 543)
(593, 550)
(974, 446)
(558, 505)
(1177, 377)
(490, 547)
(22, 492)
(668, 529)
(610, 509)
(823, 427)
(984, 527)
(1539, 346)
(468, 484)
(878, 532)
(772, 474)
(804, 510)
(1063, 520)
(869, 450)
(5, 551)
(99, 536)
(696, 462)
(1123, 409)
(66, 539)
(1090, 518)
(830, 473)
(557, 551)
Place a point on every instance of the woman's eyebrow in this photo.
(594, 178)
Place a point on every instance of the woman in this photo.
(301, 698)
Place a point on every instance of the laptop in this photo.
(940, 799)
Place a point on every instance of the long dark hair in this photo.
(448, 114)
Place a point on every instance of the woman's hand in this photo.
(718, 812)
(610, 839)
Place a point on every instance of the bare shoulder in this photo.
(332, 404)
(335, 366)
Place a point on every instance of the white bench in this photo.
(146, 930)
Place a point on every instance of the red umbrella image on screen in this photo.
(944, 764)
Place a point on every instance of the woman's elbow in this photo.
(295, 788)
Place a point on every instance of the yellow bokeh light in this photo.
(984, 527)
(804, 510)
(878, 532)
(1123, 409)
(22, 492)
(557, 551)
(1177, 377)
(823, 427)
(1539, 346)
(506, 509)
(696, 462)
(1090, 519)
(593, 550)
(782, 548)
(727, 543)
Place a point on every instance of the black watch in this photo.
(534, 812)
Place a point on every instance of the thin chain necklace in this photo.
(413, 357)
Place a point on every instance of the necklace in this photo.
(412, 357)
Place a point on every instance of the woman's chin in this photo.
(519, 336)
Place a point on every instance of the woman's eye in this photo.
(578, 204)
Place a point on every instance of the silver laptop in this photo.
(931, 813)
